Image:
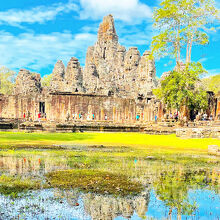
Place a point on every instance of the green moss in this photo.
(94, 181)
(12, 186)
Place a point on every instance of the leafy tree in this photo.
(182, 89)
(182, 24)
(212, 83)
(46, 80)
(7, 80)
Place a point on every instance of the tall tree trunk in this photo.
(187, 52)
(190, 49)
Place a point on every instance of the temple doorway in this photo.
(42, 108)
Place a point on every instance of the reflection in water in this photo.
(57, 204)
(106, 206)
(175, 193)
(34, 166)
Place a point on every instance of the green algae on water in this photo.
(94, 181)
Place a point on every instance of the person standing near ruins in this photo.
(155, 118)
(39, 116)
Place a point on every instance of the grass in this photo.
(156, 143)
(13, 186)
(105, 163)
(94, 181)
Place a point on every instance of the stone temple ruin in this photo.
(109, 69)
(115, 84)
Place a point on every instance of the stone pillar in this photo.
(102, 114)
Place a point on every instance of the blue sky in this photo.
(35, 34)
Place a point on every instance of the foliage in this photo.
(7, 80)
(212, 83)
(182, 24)
(172, 187)
(12, 186)
(181, 88)
(46, 80)
(94, 181)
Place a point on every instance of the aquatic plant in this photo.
(94, 181)
(12, 185)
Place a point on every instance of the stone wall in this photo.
(59, 105)
(205, 132)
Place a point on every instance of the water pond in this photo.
(107, 183)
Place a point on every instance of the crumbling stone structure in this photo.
(27, 83)
(109, 69)
(115, 85)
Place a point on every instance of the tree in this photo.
(212, 83)
(46, 80)
(182, 24)
(7, 80)
(182, 89)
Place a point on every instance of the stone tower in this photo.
(57, 81)
(69, 79)
(111, 70)
(104, 60)
(27, 83)
(73, 76)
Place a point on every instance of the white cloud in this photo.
(203, 60)
(135, 35)
(38, 14)
(38, 51)
(130, 11)
(214, 72)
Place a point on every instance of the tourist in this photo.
(155, 118)
(24, 115)
(80, 116)
(176, 116)
(73, 115)
(137, 117)
(171, 115)
(88, 118)
(106, 117)
(204, 117)
(93, 116)
(39, 116)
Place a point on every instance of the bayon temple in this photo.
(116, 84)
